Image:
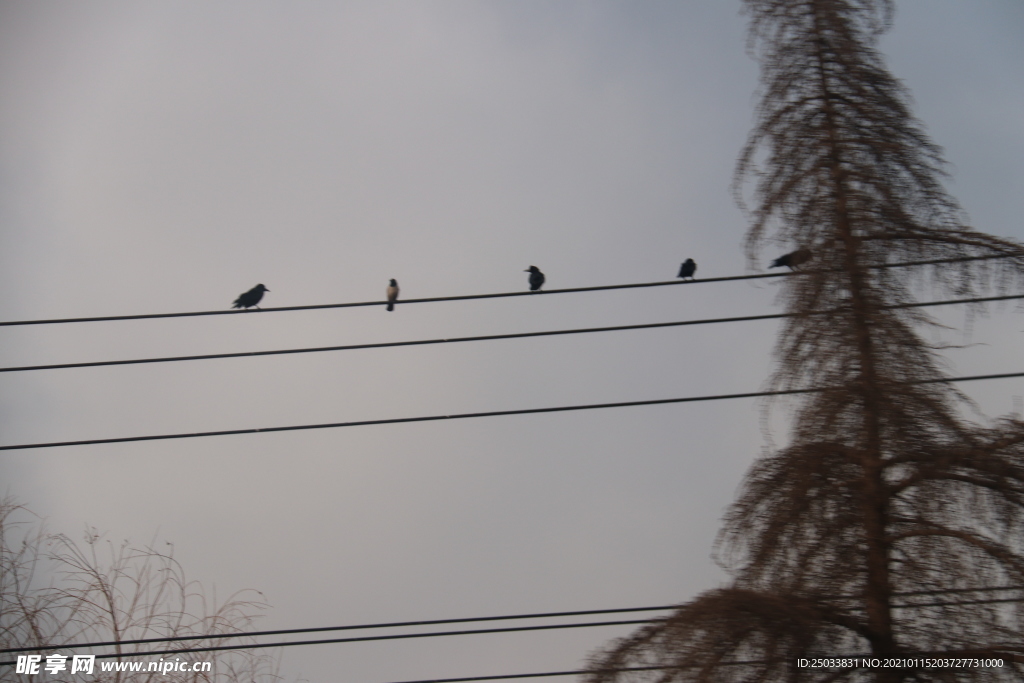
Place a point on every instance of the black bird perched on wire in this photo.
(793, 259)
(688, 268)
(250, 298)
(392, 294)
(536, 278)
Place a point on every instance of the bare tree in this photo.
(885, 488)
(28, 614)
(54, 591)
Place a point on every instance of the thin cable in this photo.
(583, 672)
(466, 297)
(754, 662)
(403, 302)
(946, 591)
(363, 639)
(504, 617)
(382, 345)
(518, 335)
(578, 672)
(957, 603)
(255, 646)
(462, 416)
(354, 627)
(934, 591)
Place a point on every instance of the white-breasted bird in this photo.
(392, 294)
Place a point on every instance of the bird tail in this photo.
(391, 305)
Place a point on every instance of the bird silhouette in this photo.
(688, 268)
(392, 294)
(793, 260)
(536, 278)
(250, 298)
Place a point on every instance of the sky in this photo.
(165, 157)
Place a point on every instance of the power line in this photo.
(997, 650)
(583, 672)
(578, 672)
(504, 617)
(403, 302)
(431, 634)
(352, 627)
(466, 297)
(957, 603)
(419, 342)
(946, 591)
(363, 639)
(462, 416)
(257, 646)
(518, 335)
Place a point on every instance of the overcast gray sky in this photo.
(162, 157)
